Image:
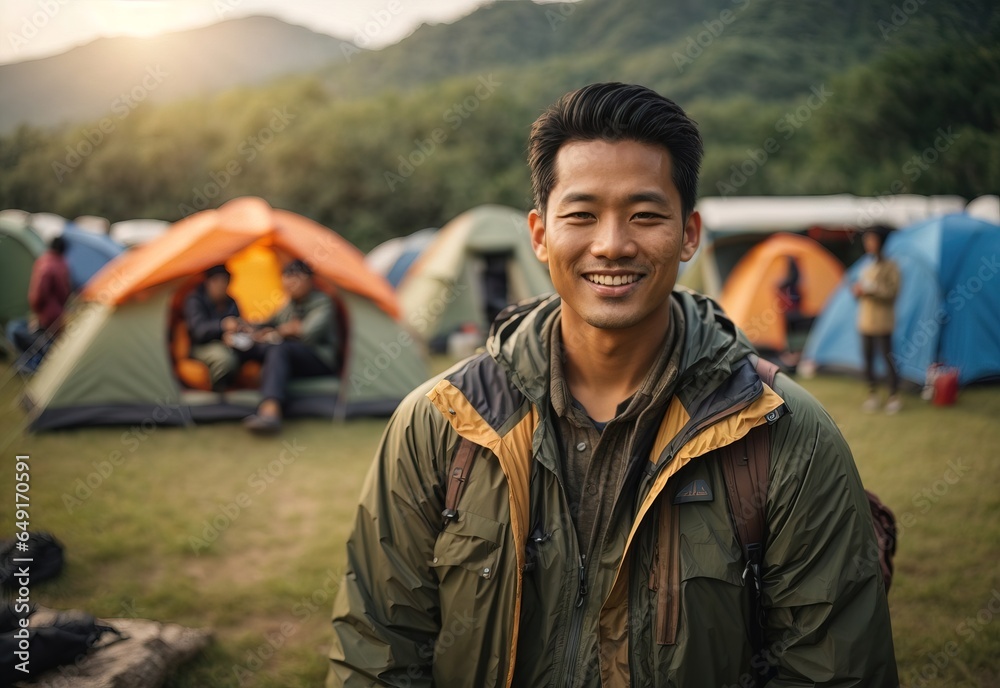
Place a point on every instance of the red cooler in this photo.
(946, 387)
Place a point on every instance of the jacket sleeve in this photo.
(36, 288)
(386, 616)
(202, 327)
(827, 618)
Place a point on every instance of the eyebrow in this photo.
(640, 197)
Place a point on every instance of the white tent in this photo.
(93, 224)
(985, 208)
(47, 225)
(137, 232)
(789, 213)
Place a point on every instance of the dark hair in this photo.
(297, 267)
(58, 245)
(881, 232)
(615, 112)
(217, 270)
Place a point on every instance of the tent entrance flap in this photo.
(495, 283)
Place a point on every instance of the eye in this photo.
(579, 215)
(648, 216)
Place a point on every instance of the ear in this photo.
(692, 236)
(536, 224)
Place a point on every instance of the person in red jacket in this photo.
(48, 291)
(49, 288)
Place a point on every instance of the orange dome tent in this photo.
(122, 356)
(751, 294)
(219, 236)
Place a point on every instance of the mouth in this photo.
(613, 280)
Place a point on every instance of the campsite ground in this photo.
(158, 535)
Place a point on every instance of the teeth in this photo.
(613, 281)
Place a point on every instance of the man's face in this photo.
(216, 286)
(613, 235)
(296, 285)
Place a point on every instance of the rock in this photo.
(143, 657)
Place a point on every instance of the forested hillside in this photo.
(792, 97)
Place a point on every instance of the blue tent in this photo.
(86, 253)
(948, 309)
(393, 258)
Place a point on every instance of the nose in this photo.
(613, 240)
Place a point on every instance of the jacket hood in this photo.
(712, 345)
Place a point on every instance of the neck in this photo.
(603, 367)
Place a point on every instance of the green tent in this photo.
(478, 263)
(19, 247)
(118, 359)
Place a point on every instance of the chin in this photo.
(612, 321)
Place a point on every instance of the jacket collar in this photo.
(711, 346)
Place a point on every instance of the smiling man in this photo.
(554, 512)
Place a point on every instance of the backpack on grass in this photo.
(45, 551)
(61, 640)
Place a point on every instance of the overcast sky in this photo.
(37, 28)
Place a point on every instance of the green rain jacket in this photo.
(495, 598)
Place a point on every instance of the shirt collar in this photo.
(656, 387)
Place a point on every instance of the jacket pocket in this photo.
(708, 546)
(468, 561)
(690, 551)
(471, 542)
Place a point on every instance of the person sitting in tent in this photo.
(212, 318)
(876, 292)
(48, 290)
(301, 340)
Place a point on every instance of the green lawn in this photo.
(159, 536)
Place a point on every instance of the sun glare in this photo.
(144, 18)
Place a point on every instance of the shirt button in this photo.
(581, 446)
(592, 490)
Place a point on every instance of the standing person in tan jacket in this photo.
(876, 292)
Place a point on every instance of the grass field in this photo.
(209, 527)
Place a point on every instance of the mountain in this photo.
(112, 76)
(763, 49)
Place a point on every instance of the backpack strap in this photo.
(745, 465)
(461, 467)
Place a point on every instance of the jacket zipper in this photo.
(576, 628)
